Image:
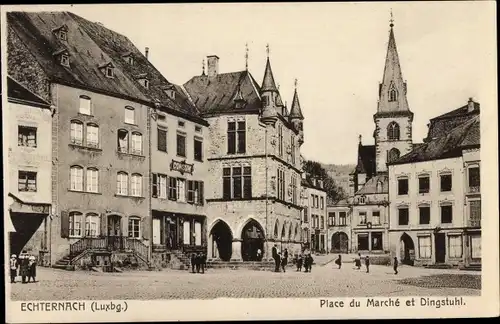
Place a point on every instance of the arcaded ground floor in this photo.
(324, 281)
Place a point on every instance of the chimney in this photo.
(313, 181)
(147, 53)
(320, 183)
(213, 65)
(470, 105)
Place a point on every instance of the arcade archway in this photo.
(222, 239)
(407, 250)
(252, 237)
(340, 242)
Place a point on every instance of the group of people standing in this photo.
(304, 259)
(27, 267)
(280, 259)
(198, 262)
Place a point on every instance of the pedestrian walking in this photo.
(367, 263)
(284, 260)
(276, 258)
(23, 266)
(259, 254)
(300, 260)
(193, 262)
(395, 265)
(13, 268)
(203, 261)
(198, 262)
(32, 268)
(339, 261)
(357, 261)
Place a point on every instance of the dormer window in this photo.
(110, 73)
(61, 33)
(128, 58)
(143, 79)
(65, 59)
(108, 69)
(170, 93)
(145, 83)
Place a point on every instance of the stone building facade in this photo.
(316, 214)
(435, 196)
(254, 163)
(339, 227)
(29, 201)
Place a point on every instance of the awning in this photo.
(16, 205)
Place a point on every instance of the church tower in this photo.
(393, 120)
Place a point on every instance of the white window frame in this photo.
(134, 227)
(75, 224)
(455, 251)
(136, 143)
(92, 224)
(129, 119)
(92, 180)
(136, 185)
(162, 186)
(76, 178)
(76, 132)
(85, 107)
(92, 135)
(122, 184)
(425, 253)
(181, 190)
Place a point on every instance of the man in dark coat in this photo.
(13, 268)
(24, 266)
(299, 262)
(395, 265)
(193, 261)
(203, 261)
(367, 263)
(276, 258)
(284, 260)
(198, 262)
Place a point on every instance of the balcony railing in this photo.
(109, 243)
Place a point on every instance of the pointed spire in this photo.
(268, 83)
(246, 57)
(392, 90)
(360, 139)
(296, 111)
(203, 67)
(238, 99)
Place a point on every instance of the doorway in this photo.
(114, 233)
(172, 236)
(407, 251)
(156, 231)
(222, 240)
(440, 242)
(252, 240)
(340, 242)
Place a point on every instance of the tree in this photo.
(334, 192)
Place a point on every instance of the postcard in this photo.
(232, 161)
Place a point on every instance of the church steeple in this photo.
(392, 90)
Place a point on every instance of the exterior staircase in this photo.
(471, 267)
(184, 261)
(64, 264)
(438, 266)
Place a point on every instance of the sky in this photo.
(337, 51)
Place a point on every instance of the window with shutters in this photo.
(181, 190)
(122, 184)
(75, 224)
(181, 144)
(92, 135)
(26, 181)
(85, 105)
(26, 136)
(91, 225)
(160, 187)
(446, 214)
(162, 139)
(134, 227)
(123, 141)
(92, 180)
(190, 191)
(455, 246)
(198, 149)
(76, 178)
(172, 188)
(76, 132)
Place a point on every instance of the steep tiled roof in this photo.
(216, 94)
(17, 91)
(307, 182)
(340, 203)
(366, 159)
(378, 184)
(90, 46)
(450, 145)
(441, 125)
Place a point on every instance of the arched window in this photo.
(393, 155)
(136, 185)
(393, 94)
(76, 178)
(129, 115)
(362, 199)
(393, 131)
(283, 233)
(122, 183)
(75, 224)
(296, 234)
(91, 225)
(92, 180)
(92, 135)
(85, 105)
(134, 227)
(123, 141)
(136, 147)
(276, 229)
(290, 237)
(76, 132)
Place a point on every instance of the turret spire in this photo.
(203, 67)
(295, 110)
(246, 56)
(268, 83)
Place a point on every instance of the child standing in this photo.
(13, 268)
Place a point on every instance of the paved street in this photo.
(325, 281)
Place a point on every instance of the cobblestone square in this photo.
(324, 281)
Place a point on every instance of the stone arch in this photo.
(407, 249)
(221, 240)
(283, 232)
(276, 231)
(219, 219)
(252, 241)
(290, 233)
(340, 242)
(393, 131)
(240, 226)
(393, 154)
